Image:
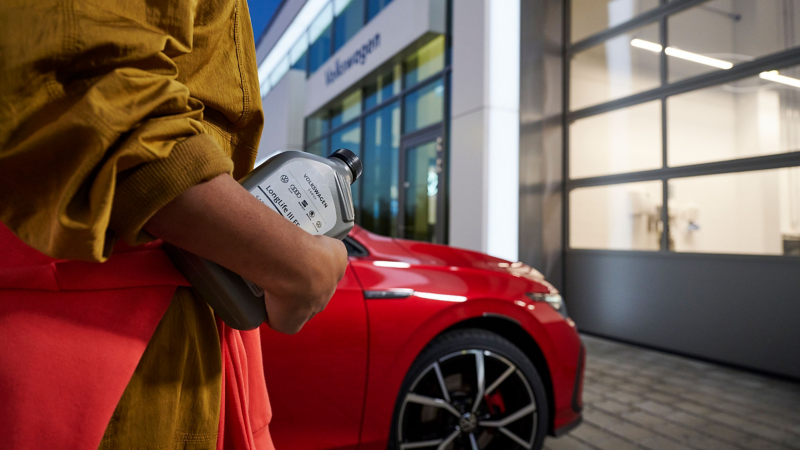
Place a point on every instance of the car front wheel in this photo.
(470, 389)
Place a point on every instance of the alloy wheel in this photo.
(472, 399)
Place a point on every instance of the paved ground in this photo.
(637, 398)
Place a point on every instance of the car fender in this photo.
(392, 356)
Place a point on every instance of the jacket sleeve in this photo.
(96, 131)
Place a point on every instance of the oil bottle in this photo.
(310, 191)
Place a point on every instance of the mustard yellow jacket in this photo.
(109, 109)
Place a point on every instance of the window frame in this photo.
(660, 15)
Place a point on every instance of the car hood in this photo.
(442, 255)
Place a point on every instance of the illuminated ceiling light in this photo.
(652, 46)
(682, 54)
(694, 57)
(393, 264)
(442, 297)
(773, 75)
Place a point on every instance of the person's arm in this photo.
(98, 134)
(220, 221)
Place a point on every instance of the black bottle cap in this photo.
(352, 161)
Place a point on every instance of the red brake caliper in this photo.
(495, 402)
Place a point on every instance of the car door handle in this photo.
(388, 294)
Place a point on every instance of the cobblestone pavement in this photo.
(638, 398)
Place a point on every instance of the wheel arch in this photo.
(512, 330)
(499, 316)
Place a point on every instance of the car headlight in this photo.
(554, 300)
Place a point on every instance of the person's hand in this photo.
(220, 221)
(290, 304)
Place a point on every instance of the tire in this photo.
(427, 418)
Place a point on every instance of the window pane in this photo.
(349, 138)
(320, 35)
(319, 148)
(421, 191)
(425, 62)
(615, 69)
(755, 213)
(299, 52)
(624, 140)
(347, 110)
(593, 16)
(383, 88)
(616, 217)
(749, 117)
(300, 64)
(379, 181)
(375, 6)
(424, 107)
(722, 33)
(349, 19)
(316, 125)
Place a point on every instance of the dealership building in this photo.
(642, 154)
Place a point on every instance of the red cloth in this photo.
(246, 413)
(72, 333)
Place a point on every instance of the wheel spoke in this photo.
(516, 438)
(442, 386)
(481, 370)
(500, 379)
(481, 391)
(473, 442)
(435, 402)
(449, 439)
(421, 444)
(503, 422)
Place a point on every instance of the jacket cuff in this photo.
(149, 187)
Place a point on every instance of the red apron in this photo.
(72, 333)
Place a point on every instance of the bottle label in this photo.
(299, 193)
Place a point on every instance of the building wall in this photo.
(541, 150)
(284, 108)
(484, 148)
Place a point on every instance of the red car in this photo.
(425, 346)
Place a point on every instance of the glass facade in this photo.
(395, 122)
(425, 62)
(683, 126)
(424, 107)
(422, 181)
(380, 198)
(349, 19)
(330, 30)
(619, 141)
(721, 34)
(320, 36)
(617, 217)
(706, 215)
(384, 87)
(740, 119)
(614, 69)
(593, 16)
